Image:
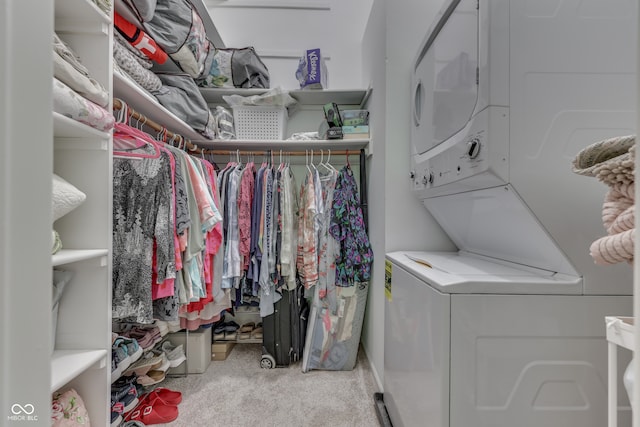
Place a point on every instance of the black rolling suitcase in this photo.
(284, 330)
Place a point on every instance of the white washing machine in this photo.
(509, 330)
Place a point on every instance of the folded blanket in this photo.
(618, 208)
(128, 63)
(68, 68)
(68, 103)
(614, 249)
(612, 161)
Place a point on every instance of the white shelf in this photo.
(68, 256)
(66, 365)
(620, 331)
(304, 97)
(144, 103)
(79, 10)
(289, 145)
(65, 127)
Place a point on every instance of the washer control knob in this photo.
(473, 148)
(428, 178)
(412, 174)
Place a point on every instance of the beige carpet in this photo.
(237, 392)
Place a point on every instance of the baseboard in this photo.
(376, 377)
(381, 410)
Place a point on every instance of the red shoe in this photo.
(153, 412)
(167, 396)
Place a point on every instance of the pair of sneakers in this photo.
(124, 352)
(175, 353)
(124, 398)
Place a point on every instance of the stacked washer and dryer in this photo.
(509, 330)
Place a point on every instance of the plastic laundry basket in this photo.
(260, 122)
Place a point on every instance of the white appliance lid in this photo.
(496, 223)
(461, 272)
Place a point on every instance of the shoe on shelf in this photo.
(147, 362)
(245, 330)
(165, 360)
(116, 419)
(162, 326)
(125, 399)
(174, 353)
(119, 361)
(151, 378)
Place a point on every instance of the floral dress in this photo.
(353, 264)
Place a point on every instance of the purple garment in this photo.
(353, 263)
(256, 254)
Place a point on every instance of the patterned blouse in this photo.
(354, 260)
(141, 216)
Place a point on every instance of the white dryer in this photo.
(509, 330)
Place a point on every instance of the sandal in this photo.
(153, 412)
(151, 378)
(167, 396)
(245, 330)
(257, 332)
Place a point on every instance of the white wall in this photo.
(369, 42)
(374, 74)
(281, 30)
(408, 225)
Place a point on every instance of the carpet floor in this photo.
(237, 392)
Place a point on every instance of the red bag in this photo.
(139, 39)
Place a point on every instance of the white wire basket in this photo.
(258, 122)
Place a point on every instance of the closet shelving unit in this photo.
(311, 103)
(620, 333)
(82, 156)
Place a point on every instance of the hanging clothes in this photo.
(353, 264)
(141, 219)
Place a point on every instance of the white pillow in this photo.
(65, 197)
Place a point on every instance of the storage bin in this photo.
(221, 350)
(198, 351)
(260, 122)
(354, 117)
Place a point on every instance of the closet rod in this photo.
(118, 105)
(276, 152)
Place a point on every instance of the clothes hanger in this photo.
(329, 165)
(126, 138)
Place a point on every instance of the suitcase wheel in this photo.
(267, 362)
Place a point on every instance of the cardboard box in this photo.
(220, 350)
(197, 351)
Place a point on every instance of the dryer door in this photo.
(444, 81)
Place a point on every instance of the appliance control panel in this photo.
(464, 160)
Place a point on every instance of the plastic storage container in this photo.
(260, 122)
(198, 350)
